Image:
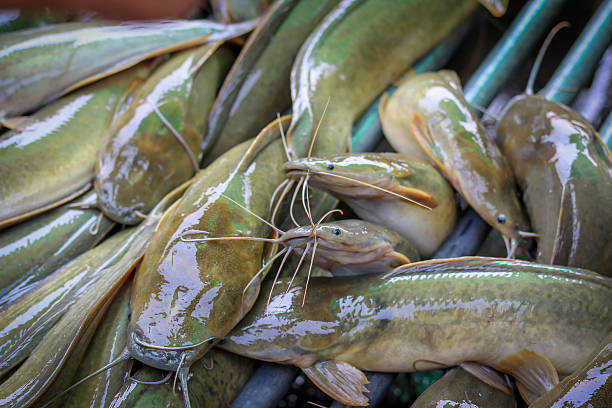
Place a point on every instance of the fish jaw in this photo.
(166, 358)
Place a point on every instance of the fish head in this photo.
(347, 242)
(364, 176)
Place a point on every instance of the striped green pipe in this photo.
(577, 66)
(518, 41)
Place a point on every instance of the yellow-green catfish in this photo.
(188, 295)
(525, 319)
(429, 117)
(399, 192)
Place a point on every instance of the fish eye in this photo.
(501, 218)
(130, 316)
(330, 166)
(337, 231)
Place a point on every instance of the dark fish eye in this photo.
(330, 166)
(130, 316)
(337, 231)
(501, 218)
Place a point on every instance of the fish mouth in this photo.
(167, 357)
(294, 169)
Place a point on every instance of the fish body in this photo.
(496, 312)
(428, 116)
(590, 386)
(34, 249)
(41, 64)
(188, 295)
(565, 172)
(52, 157)
(258, 85)
(227, 11)
(421, 205)
(356, 51)
(53, 334)
(214, 382)
(458, 388)
(143, 159)
(106, 345)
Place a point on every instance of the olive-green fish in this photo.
(227, 11)
(429, 117)
(565, 172)
(107, 343)
(405, 194)
(258, 85)
(188, 295)
(50, 366)
(32, 250)
(458, 388)
(355, 53)
(215, 381)
(51, 158)
(344, 247)
(154, 145)
(588, 387)
(521, 318)
(41, 64)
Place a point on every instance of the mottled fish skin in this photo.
(428, 116)
(188, 295)
(565, 172)
(588, 387)
(432, 313)
(426, 220)
(89, 51)
(458, 388)
(143, 159)
(358, 49)
(52, 157)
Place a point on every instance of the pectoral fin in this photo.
(341, 381)
(487, 375)
(17, 122)
(426, 141)
(535, 375)
(416, 195)
(382, 105)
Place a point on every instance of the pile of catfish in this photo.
(173, 130)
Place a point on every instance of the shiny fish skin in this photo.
(190, 294)
(409, 178)
(142, 159)
(53, 156)
(90, 51)
(428, 116)
(565, 172)
(448, 311)
(32, 250)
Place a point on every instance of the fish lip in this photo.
(166, 358)
(295, 167)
